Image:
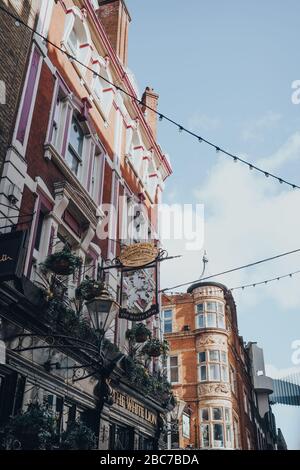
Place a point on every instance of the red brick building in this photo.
(211, 371)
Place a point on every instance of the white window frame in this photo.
(169, 320)
(212, 421)
(206, 312)
(173, 367)
(209, 363)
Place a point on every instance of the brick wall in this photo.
(14, 50)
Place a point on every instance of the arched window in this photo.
(135, 150)
(150, 178)
(77, 38)
(102, 85)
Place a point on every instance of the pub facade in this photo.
(81, 180)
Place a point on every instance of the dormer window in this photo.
(77, 39)
(102, 85)
(74, 43)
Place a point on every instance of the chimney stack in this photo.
(150, 98)
(115, 19)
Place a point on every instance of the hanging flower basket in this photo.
(139, 333)
(155, 348)
(63, 262)
(88, 289)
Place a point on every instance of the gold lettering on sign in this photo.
(138, 254)
(4, 258)
(134, 407)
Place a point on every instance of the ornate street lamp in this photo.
(173, 421)
(102, 310)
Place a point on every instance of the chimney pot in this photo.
(115, 19)
(150, 100)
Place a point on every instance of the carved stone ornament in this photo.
(211, 340)
(220, 389)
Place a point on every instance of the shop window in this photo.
(12, 387)
(212, 366)
(146, 443)
(121, 437)
(210, 315)
(216, 427)
(167, 321)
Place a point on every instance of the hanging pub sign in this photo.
(12, 254)
(138, 254)
(139, 281)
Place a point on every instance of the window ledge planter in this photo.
(62, 263)
(88, 289)
(139, 333)
(155, 348)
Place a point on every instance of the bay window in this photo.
(216, 427)
(212, 366)
(210, 314)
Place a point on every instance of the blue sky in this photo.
(225, 70)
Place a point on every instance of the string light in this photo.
(267, 281)
(137, 100)
(160, 117)
(255, 263)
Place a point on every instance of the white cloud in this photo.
(202, 122)
(250, 218)
(254, 129)
(288, 152)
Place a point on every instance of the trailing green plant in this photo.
(61, 317)
(62, 262)
(156, 385)
(154, 347)
(78, 436)
(139, 333)
(88, 289)
(31, 430)
(109, 346)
